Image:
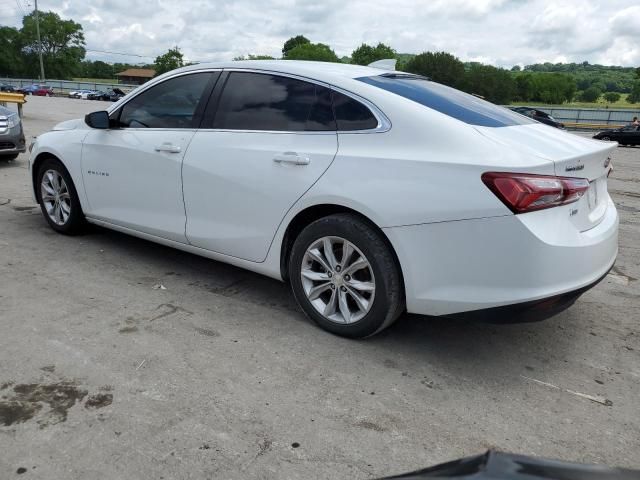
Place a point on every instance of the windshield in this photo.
(459, 105)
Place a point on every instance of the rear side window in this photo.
(447, 100)
(257, 101)
(170, 104)
(351, 114)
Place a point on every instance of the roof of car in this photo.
(317, 70)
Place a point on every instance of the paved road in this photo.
(218, 375)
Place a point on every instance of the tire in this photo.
(606, 139)
(68, 218)
(377, 286)
(8, 158)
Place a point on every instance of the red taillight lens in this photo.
(523, 192)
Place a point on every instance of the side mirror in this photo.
(97, 119)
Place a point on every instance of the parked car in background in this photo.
(98, 95)
(116, 94)
(12, 141)
(538, 116)
(84, 94)
(627, 135)
(344, 181)
(38, 90)
(7, 88)
(108, 95)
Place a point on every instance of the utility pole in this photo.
(39, 43)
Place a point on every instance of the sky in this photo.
(497, 32)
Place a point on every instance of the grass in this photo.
(601, 103)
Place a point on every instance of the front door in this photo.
(132, 172)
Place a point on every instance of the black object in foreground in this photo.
(505, 466)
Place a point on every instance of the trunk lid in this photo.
(572, 156)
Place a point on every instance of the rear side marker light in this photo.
(523, 192)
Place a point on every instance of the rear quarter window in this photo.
(454, 103)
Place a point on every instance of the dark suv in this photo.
(538, 115)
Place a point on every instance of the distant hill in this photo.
(606, 78)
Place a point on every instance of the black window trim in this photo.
(384, 124)
(205, 99)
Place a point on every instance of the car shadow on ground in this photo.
(443, 342)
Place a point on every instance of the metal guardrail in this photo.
(590, 126)
(590, 118)
(17, 98)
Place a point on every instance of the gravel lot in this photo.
(104, 375)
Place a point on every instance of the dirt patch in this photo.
(206, 332)
(99, 400)
(129, 329)
(29, 399)
(370, 426)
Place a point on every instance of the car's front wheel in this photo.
(345, 276)
(59, 199)
(606, 139)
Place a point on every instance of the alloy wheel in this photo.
(338, 280)
(55, 196)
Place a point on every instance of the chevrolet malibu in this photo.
(371, 191)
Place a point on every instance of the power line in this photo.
(118, 53)
(21, 8)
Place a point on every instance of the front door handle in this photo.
(292, 158)
(168, 147)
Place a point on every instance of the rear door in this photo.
(265, 140)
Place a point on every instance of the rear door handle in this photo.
(168, 147)
(292, 158)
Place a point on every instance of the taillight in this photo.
(523, 192)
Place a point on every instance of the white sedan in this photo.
(372, 192)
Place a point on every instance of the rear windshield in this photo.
(447, 100)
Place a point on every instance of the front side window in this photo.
(170, 104)
(454, 103)
(258, 101)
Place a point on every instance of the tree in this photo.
(441, 67)
(366, 54)
(62, 45)
(494, 84)
(312, 51)
(612, 97)
(168, 61)
(292, 43)
(516, 68)
(591, 94)
(634, 96)
(11, 63)
(553, 88)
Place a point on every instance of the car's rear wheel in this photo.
(606, 139)
(59, 199)
(345, 276)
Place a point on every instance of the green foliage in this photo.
(612, 97)
(62, 45)
(312, 51)
(553, 88)
(168, 61)
(11, 60)
(440, 67)
(607, 78)
(366, 54)
(292, 43)
(591, 94)
(493, 84)
(634, 96)
(254, 57)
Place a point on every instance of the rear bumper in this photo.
(480, 264)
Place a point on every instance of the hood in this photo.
(68, 125)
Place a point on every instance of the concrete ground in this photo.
(104, 374)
